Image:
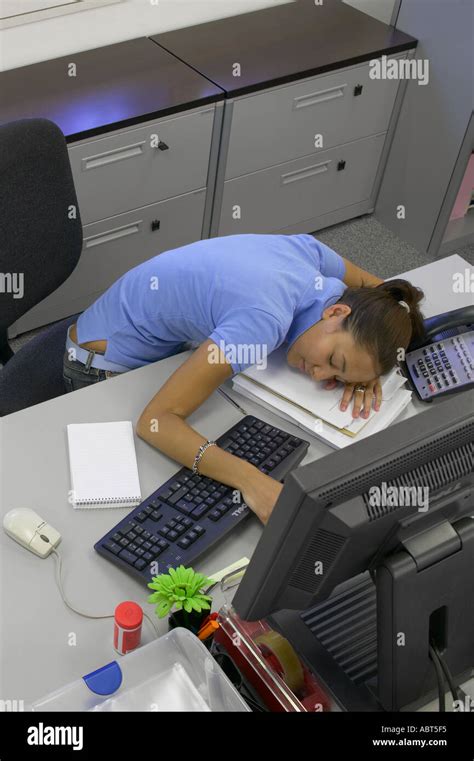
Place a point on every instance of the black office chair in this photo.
(41, 240)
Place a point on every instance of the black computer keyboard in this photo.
(189, 513)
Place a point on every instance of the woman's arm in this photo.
(357, 277)
(163, 425)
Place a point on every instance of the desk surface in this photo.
(43, 645)
(278, 45)
(115, 86)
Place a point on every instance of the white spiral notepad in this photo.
(103, 465)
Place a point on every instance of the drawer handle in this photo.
(119, 232)
(312, 99)
(110, 157)
(302, 174)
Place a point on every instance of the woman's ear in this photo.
(338, 310)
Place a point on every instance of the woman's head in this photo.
(360, 337)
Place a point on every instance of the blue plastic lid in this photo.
(105, 680)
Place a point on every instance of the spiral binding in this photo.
(111, 501)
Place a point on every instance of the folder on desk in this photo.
(293, 395)
(103, 465)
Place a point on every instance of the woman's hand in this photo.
(363, 400)
(260, 493)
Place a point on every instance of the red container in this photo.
(240, 639)
(127, 627)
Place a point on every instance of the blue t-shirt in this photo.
(238, 290)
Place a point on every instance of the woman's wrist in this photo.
(245, 474)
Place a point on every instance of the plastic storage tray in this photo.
(173, 673)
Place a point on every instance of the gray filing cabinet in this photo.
(273, 174)
(141, 191)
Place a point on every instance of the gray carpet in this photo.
(364, 241)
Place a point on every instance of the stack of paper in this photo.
(293, 395)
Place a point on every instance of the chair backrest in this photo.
(40, 224)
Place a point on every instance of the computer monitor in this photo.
(398, 505)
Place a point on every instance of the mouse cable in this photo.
(59, 562)
(439, 678)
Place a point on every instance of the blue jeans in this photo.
(76, 375)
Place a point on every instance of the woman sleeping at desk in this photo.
(237, 298)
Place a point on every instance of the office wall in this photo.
(74, 32)
(433, 119)
(379, 9)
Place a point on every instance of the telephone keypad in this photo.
(443, 365)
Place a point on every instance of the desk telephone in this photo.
(443, 361)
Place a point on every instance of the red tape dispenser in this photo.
(270, 664)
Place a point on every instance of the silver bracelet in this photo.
(200, 453)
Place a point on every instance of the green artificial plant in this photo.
(182, 589)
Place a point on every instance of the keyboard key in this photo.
(116, 537)
(171, 523)
(139, 529)
(146, 535)
(215, 515)
(155, 516)
(148, 556)
(200, 510)
(141, 516)
(184, 543)
(164, 531)
(192, 535)
(112, 547)
(186, 507)
(128, 557)
(132, 547)
(165, 495)
(127, 528)
(173, 535)
(163, 545)
(147, 545)
(175, 498)
(140, 564)
(186, 522)
(147, 510)
(139, 552)
(124, 542)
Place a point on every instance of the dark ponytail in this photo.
(382, 325)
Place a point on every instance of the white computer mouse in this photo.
(28, 529)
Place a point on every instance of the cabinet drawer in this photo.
(114, 246)
(127, 170)
(289, 193)
(281, 124)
